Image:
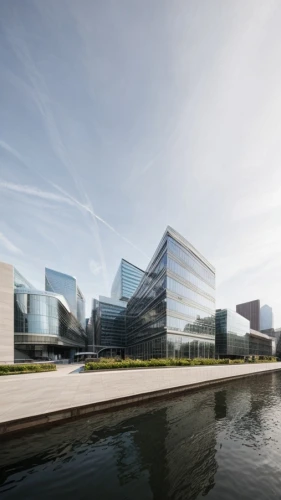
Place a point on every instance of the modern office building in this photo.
(266, 317)
(251, 311)
(261, 344)
(126, 281)
(35, 323)
(66, 285)
(107, 327)
(172, 312)
(236, 339)
(232, 334)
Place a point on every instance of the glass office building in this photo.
(235, 338)
(172, 313)
(66, 285)
(232, 334)
(126, 281)
(109, 325)
(21, 282)
(261, 344)
(44, 325)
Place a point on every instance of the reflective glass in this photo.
(191, 260)
(188, 275)
(42, 314)
(126, 281)
(173, 296)
(184, 291)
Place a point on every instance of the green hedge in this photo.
(261, 359)
(109, 363)
(26, 368)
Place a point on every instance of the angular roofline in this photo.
(248, 302)
(255, 333)
(111, 301)
(180, 239)
(130, 263)
(59, 272)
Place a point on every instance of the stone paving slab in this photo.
(31, 395)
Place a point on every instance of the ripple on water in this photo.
(222, 443)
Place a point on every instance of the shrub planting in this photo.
(108, 364)
(26, 368)
(113, 364)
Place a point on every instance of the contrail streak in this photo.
(66, 198)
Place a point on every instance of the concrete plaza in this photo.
(31, 395)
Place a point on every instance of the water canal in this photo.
(222, 443)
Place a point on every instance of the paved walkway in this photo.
(41, 393)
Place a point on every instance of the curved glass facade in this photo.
(46, 314)
(172, 313)
(66, 285)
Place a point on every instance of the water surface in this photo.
(222, 443)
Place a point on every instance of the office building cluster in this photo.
(169, 310)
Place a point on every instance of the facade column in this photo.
(6, 313)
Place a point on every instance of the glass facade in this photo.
(109, 322)
(266, 317)
(21, 282)
(44, 325)
(126, 281)
(260, 347)
(66, 285)
(44, 318)
(232, 334)
(172, 313)
(235, 338)
(81, 306)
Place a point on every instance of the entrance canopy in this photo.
(84, 353)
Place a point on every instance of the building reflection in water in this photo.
(162, 450)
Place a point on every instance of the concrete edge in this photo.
(133, 368)
(18, 426)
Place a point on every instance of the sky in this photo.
(118, 118)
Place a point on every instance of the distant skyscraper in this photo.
(66, 285)
(251, 311)
(266, 317)
(126, 281)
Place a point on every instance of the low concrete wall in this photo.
(58, 397)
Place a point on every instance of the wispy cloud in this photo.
(11, 150)
(88, 209)
(6, 243)
(34, 191)
(62, 198)
(95, 267)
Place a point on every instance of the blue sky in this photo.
(121, 117)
